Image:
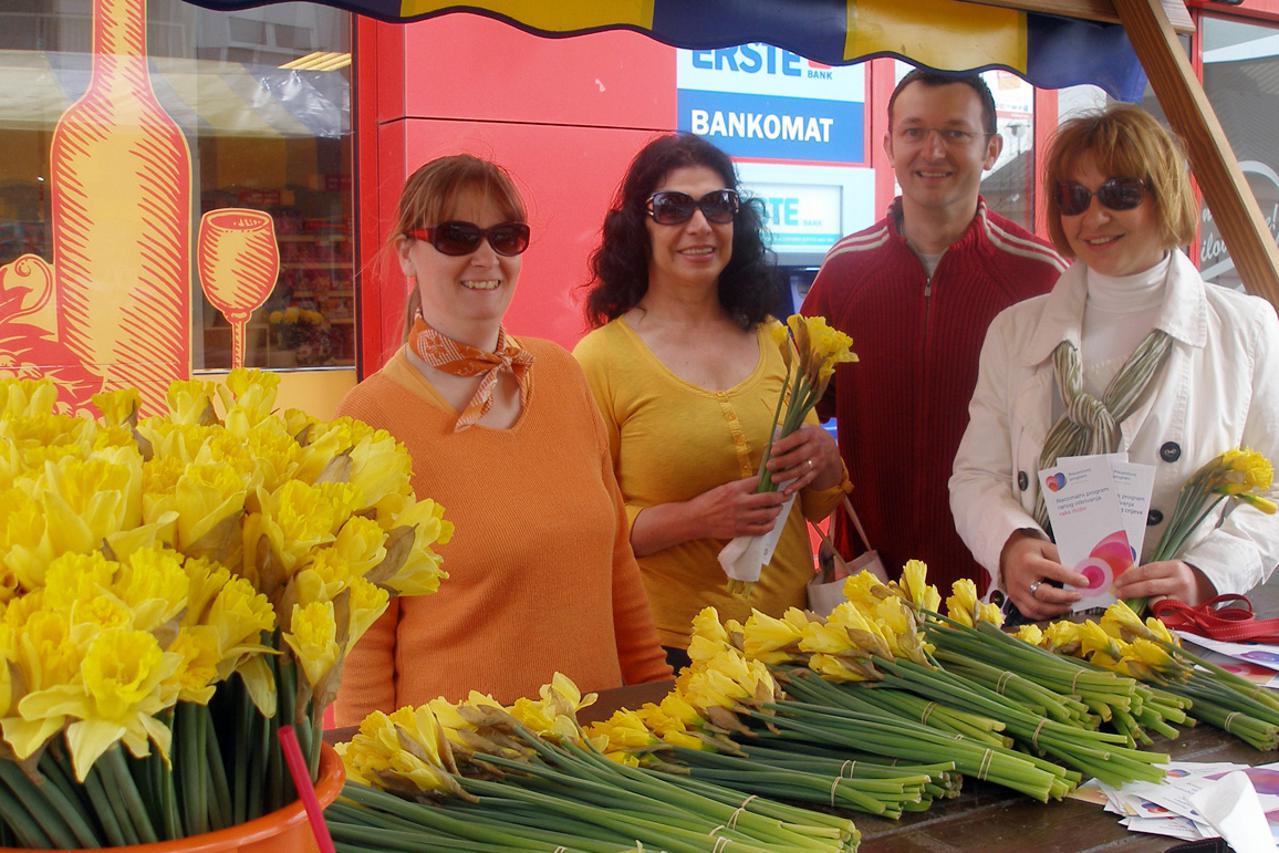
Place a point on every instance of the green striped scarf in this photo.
(1090, 425)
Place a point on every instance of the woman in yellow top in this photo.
(687, 377)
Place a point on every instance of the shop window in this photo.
(258, 136)
(1009, 187)
(1241, 79)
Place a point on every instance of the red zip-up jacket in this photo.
(903, 408)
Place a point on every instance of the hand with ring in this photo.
(1027, 563)
(807, 457)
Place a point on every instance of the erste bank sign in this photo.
(759, 101)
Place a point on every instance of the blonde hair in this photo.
(431, 194)
(1125, 141)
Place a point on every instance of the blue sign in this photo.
(776, 127)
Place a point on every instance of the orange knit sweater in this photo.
(541, 574)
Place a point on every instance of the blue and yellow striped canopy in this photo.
(947, 35)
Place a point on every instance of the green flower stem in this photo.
(906, 740)
(747, 821)
(535, 823)
(65, 798)
(637, 792)
(189, 752)
(27, 828)
(110, 811)
(1021, 777)
(38, 805)
(1242, 685)
(806, 684)
(674, 839)
(809, 787)
(765, 477)
(1202, 686)
(118, 772)
(54, 766)
(1025, 691)
(242, 736)
(219, 790)
(278, 786)
(314, 726)
(440, 819)
(866, 767)
(829, 826)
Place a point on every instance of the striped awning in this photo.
(947, 35)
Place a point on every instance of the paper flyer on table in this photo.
(1172, 807)
(1262, 655)
(1088, 524)
(1232, 807)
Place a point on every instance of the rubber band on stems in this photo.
(306, 791)
(1034, 739)
(732, 819)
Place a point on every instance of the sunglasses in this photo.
(1115, 194)
(669, 207)
(462, 238)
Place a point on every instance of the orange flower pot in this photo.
(283, 831)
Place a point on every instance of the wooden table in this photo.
(992, 819)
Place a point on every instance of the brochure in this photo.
(1097, 505)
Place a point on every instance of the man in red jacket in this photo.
(916, 291)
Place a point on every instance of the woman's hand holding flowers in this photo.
(807, 457)
(1165, 579)
(736, 509)
(1030, 560)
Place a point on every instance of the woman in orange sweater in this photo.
(505, 435)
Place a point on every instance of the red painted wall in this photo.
(563, 116)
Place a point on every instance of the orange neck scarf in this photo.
(459, 359)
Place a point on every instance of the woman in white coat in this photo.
(1131, 352)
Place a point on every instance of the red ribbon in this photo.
(1227, 617)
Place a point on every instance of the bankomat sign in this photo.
(756, 100)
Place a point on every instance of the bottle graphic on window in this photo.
(121, 210)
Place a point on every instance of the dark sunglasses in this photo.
(1115, 194)
(669, 207)
(462, 238)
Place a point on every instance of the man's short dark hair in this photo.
(928, 77)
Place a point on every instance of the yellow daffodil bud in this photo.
(1029, 633)
(118, 407)
(914, 583)
(765, 635)
(312, 635)
(368, 603)
(190, 401)
(961, 604)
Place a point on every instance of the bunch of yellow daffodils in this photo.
(216, 556)
(811, 350)
(1238, 475)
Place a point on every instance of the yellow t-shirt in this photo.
(671, 441)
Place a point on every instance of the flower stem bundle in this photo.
(522, 777)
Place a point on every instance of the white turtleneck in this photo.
(1119, 313)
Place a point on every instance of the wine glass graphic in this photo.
(239, 262)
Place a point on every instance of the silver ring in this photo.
(811, 465)
(1034, 588)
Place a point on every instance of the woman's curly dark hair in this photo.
(619, 265)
